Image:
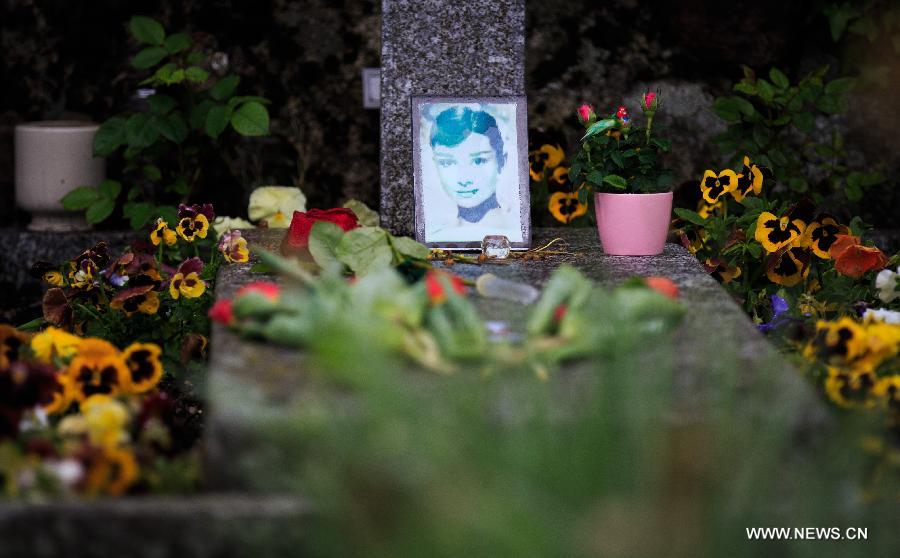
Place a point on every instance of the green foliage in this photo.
(620, 157)
(363, 250)
(773, 122)
(162, 144)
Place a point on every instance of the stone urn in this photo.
(633, 224)
(52, 158)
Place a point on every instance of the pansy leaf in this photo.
(690, 216)
(147, 30)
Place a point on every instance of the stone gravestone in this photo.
(439, 47)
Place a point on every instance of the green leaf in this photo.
(866, 27)
(778, 78)
(224, 88)
(148, 57)
(615, 181)
(110, 136)
(147, 30)
(173, 128)
(251, 119)
(138, 213)
(180, 186)
(838, 16)
(196, 74)
(161, 104)
(365, 249)
(33, 325)
(110, 189)
(140, 131)
(80, 198)
(199, 113)
(765, 91)
(152, 173)
(840, 86)
(828, 104)
(599, 126)
(617, 158)
(595, 177)
(216, 121)
(100, 210)
(690, 216)
(726, 109)
(745, 88)
(803, 121)
(324, 238)
(177, 42)
(409, 247)
(196, 58)
(133, 193)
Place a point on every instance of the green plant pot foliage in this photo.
(161, 144)
(773, 121)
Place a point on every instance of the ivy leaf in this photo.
(324, 238)
(251, 119)
(148, 57)
(224, 88)
(100, 210)
(110, 136)
(177, 42)
(80, 198)
(147, 30)
(216, 121)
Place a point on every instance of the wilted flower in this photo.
(854, 259)
(234, 248)
(275, 205)
(187, 281)
(141, 299)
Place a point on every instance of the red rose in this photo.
(302, 223)
(585, 113)
(435, 287)
(266, 288)
(221, 312)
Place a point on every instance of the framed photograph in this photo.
(470, 161)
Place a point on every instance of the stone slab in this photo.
(202, 526)
(439, 47)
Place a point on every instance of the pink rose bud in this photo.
(585, 112)
(622, 113)
(648, 99)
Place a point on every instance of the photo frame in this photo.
(470, 167)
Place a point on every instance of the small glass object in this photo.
(491, 286)
(495, 246)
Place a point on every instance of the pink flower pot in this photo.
(633, 224)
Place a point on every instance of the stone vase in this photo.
(633, 224)
(53, 158)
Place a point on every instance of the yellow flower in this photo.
(106, 420)
(234, 247)
(61, 397)
(145, 369)
(136, 299)
(54, 342)
(821, 234)
(190, 228)
(276, 205)
(788, 266)
(750, 181)
(888, 388)
(224, 224)
(774, 233)
(838, 343)
(544, 158)
(162, 233)
(190, 285)
(851, 388)
(565, 206)
(53, 278)
(98, 368)
(111, 471)
(713, 185)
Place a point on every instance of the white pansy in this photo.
(887, 284)
(276, 205)
(882, 315)
(224, 224)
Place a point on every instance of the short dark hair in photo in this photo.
(453, 125)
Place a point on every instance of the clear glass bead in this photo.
(495, 246)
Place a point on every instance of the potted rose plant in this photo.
(619, 161)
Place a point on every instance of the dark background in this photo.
(63, 58)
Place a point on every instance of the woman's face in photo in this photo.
(468, 171)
